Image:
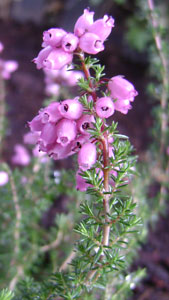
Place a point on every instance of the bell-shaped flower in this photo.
(9, 67)
(36, 124)
(71, 109)
(102, 27)
(1, 47)
(57, 59)
(78, 142)
(59, 152)
(87, 156)
(83, 22)
(66, 131)
(21, 156)
(85, 123)
(48, 134)
(53, 37)
(123, 92)
(42, 56)
(70, 42)
(51, 113)
(31, 137)
(91, 43)
(4, 178)
(104, 107)
(52, 89)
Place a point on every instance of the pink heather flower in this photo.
(1, 47)
(85, 123)
(64, 76)
(21, 156)
(78, 142)
(7, 67)
(31, 138)
(42, 56)
(123, 92)
(102, 27)
(83, 23)
(36, 124)
(53, 37)
(167, 151)
(4, 178)
(87, 156)
(59, 151)
(52, 89)
(66, 131)
(51, 113)
(104, 107)
(57, 59)
(37, 153)
(70, 42)
(48, 134)
(72, 77)
(71, 109)
(81, 184)
(91, 43)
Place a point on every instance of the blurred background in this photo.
(22, 23)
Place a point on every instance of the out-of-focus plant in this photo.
(155, 44)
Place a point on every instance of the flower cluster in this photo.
(59, 45)
(7, 67)
(63, 129)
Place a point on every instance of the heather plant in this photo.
(105, 164)
(101, 224)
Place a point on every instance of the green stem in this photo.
(105, 145)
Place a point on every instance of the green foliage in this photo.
(6, 295)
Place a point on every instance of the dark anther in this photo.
(79, 145)
(105, 108)
(86, 125)
(68, 45)
(66, 107)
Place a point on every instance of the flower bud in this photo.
(66, 131)
(83, 22)
(85, 123)
(104, 107)
(69, 42)
(102, 27)
(91, 43)
(71, 109)
(57, 59)
(87, 156)
(123, 92)
(53, 37)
